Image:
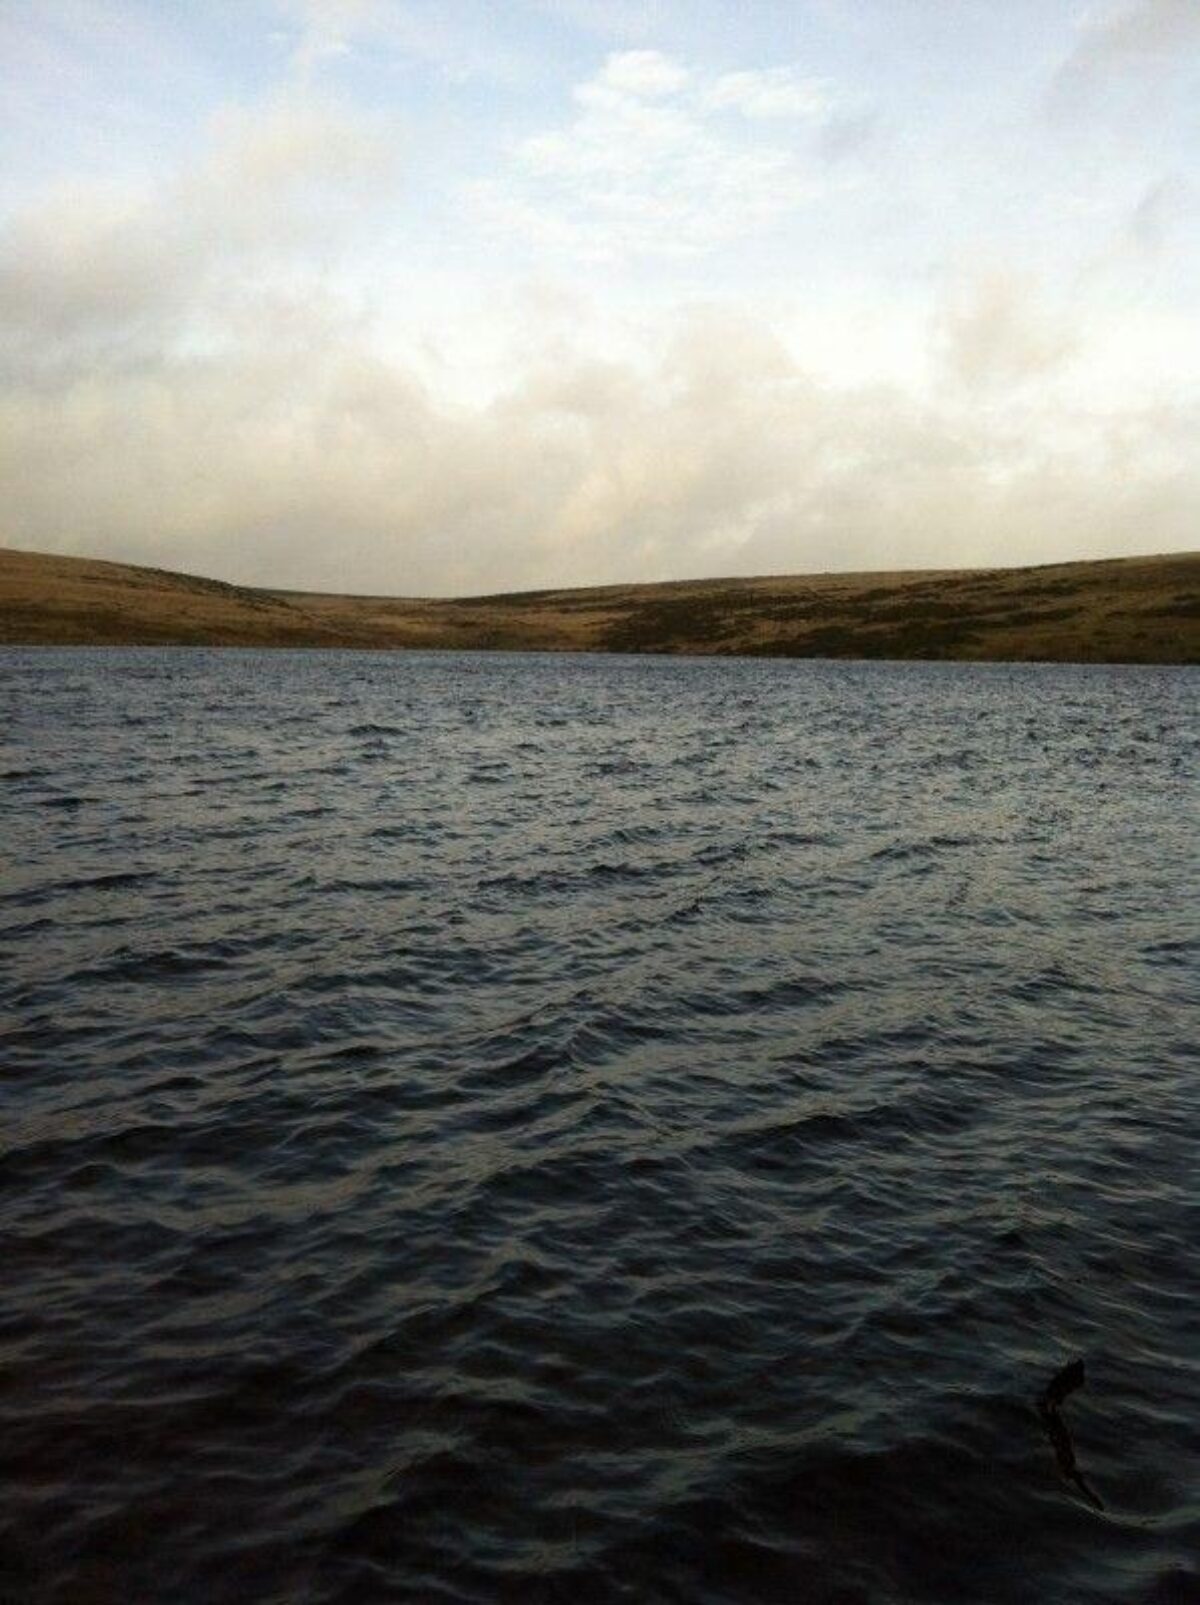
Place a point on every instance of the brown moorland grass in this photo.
(1120, 610)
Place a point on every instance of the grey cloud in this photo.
(83, 263)
(1143, 28)
(1157, 214)
(993, 332)
(91, 270)
(307, 461)
(186, 387)
(847, 134)
(1137, 35)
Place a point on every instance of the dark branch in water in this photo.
(1060, 1386)
(1068, 1379)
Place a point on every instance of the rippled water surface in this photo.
(524, 1128)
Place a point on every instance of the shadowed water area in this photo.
(526, 1129)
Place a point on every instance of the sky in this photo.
(438, 297)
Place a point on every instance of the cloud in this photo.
(326, 29)
(1144, 28)
(236, 367)
(1134, 36)
(770, 93)
(1157, 214)
(994, 332)
(647, 167)
(847, 134)
(296, 455)
(456, 39)
(645, 74)
(94, 268)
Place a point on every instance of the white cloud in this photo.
(643, 73)
(646, 167)
(326, 29)
(772, 92)
(450, 36)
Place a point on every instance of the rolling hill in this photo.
(1123, 610)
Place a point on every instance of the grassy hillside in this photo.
(1131, 610)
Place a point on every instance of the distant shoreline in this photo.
(1114, 610)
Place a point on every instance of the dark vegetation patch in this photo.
(853, 641)
(922, 612)
(510, 599)
(1031, 615)
(28, 621)
(1057, 587)
(877, 593)
(200, 586)
(662, 626)
(1178, 607)
(882, 622)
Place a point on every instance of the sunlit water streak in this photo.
(484, 1128)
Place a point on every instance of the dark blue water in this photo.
(525, 1128)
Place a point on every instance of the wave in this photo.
(595, 1143)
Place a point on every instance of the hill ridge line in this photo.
(1104, 610)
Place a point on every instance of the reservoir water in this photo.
(483, 1128)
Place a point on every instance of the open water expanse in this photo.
(594, 1129)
